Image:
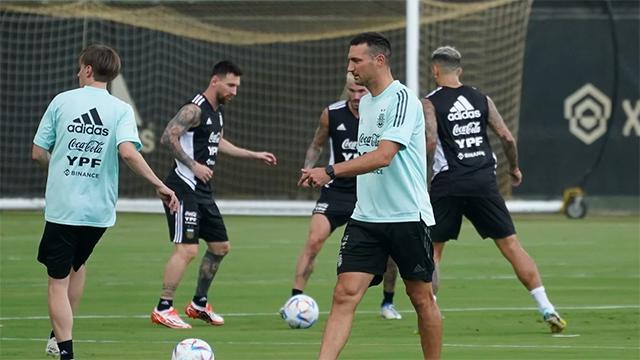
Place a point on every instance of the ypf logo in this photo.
(588, 111)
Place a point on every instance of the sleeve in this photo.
(401, 118)
(127, 129)
(46, 134)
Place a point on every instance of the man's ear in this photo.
(214, 80)
(88, 71)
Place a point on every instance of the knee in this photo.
(186, 252)
(344, 294)
(314, 245)
(511, 248)
(220, 249)
(421, 298)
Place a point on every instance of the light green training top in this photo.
(82, 129)
(398, 192)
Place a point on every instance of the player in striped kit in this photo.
(194, 136)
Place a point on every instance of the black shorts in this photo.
(366, 247)
(489, 215)
(195, 220)
(65, 246)
(336, 206)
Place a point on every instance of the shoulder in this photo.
(337, 105)
(433, 92)
(120, 103)
(69, 95)
(366, 99)
(198, 100)
(402, 95)
(473, 89)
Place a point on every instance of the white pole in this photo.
(413, 45)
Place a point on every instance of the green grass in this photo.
(590, 268)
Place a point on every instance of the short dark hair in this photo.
(378, 44)
(104, 60)
(447, 57)
(225, 67)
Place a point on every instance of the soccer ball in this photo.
(192, 349)
(300, 312)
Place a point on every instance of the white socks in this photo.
(540, 296)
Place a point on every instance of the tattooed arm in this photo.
(188, 117)
(319, 139)
(508, 142)
(431, 126)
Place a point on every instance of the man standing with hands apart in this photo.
(392, 211)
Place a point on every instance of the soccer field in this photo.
(590, 268)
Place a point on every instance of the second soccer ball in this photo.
(300, 312)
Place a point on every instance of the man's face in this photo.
(226, 87)
(354, 93)
(361, 64)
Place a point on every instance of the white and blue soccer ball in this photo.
(192, 349)
(300, 311)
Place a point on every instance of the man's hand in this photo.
(267, 157)
(168, 198)
(202, 172)
(315, 177)
(516, 177)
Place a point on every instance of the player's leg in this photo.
(412, 249)
(213, 230)
(350, 288)
(387, 309)
(183, 232)
(319, 231)
(362, 259)
(64, 249)
(523, 265)
(447, 211)
(527, 272)
(429, 319)
(76, 288)
(164, 313)
(200, 307)
(60, 312)
(491, 218)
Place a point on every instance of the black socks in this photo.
(66, 350)
(387, 297)
(164, 304)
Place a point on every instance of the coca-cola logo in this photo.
(370, 140)
(471, 128)
(92, 146)
(349, 145)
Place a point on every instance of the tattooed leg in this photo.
(176, 266)
(208, 269)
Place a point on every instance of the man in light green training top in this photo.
(392, 212)
(77, 144)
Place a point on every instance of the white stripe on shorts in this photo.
(177, 228)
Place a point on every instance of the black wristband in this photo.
(330, 172)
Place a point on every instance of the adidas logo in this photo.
(418, 269)
(341, 127)
(88, 123)
(462, 109)
(209, 122)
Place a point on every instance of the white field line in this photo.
(307, 343)
(274, 313)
